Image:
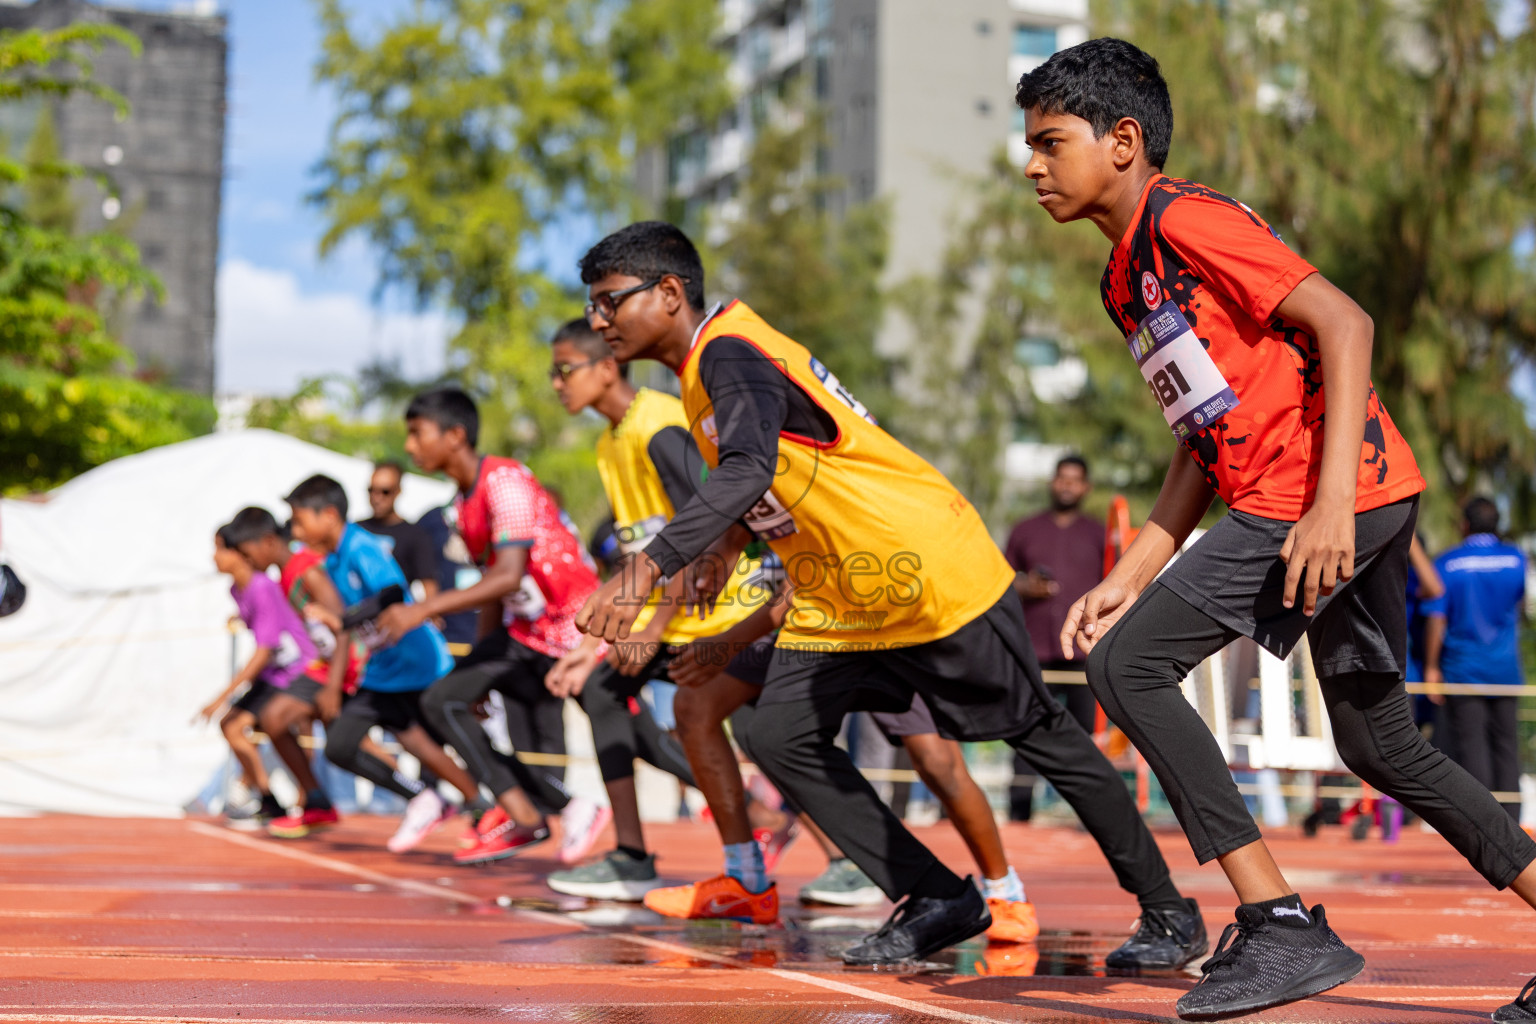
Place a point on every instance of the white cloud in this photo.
(271, 335)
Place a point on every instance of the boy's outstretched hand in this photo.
(399, 619)
(568, 676)
(1092, 614)
(1320, 549)
(615, 605)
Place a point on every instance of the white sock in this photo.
(1008, 888)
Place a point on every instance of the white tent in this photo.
(124, 634)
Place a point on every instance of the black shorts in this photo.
(303, 688)
(1234, 575)
(751, 664)
(395, 712)
(915, 721)
(256, 697)
(981, 682)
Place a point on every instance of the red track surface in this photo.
(126, 920)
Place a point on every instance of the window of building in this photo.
(1034, 40)
(820, 14)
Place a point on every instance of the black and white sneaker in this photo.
(1164, 940)
(922, 926)
(1264, 960)
(1523, 1008)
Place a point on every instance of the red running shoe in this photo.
(297, 826)
(492, 818)
(505, 840)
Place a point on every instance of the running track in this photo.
(111, 920)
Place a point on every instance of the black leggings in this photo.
(343, 748)
(621, 736)
(1135, 672)
(517, 672)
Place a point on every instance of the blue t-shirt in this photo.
(1484, 590)
(361, 566)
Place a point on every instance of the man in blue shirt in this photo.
(389, 693)
(1472, 636)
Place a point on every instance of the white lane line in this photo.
(674, 949)
(800, 977)
(331, 864)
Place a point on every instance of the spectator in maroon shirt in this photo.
(1059, 555)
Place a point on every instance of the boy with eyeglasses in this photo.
(649, 468)
(899, 589)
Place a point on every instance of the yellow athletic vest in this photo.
(881, 549)
(641, 508)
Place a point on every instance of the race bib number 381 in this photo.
(1185, 381)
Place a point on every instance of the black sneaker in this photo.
(1524, 1006)
(1164, 940)
(1261, 962)
(922, 926)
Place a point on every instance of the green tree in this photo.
(810, 274)
(466, 136)
(1391, 145)
(67, 402)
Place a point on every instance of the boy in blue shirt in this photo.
(389, 693)
(1473, 636)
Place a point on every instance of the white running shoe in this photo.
(425, 812)
(581, 823)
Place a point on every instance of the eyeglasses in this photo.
(563, 371)
(606, 304)
(383, 491)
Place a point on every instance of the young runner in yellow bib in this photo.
(898, 590)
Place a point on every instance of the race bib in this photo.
(832, 384)
(769, 519)
(634, 537)
(526, 602)
(1185, 381)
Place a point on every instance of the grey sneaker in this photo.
(618, 876)
(1262, 962)
(842, 885)
(1523, 1008)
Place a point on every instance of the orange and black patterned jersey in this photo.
(1194, 285)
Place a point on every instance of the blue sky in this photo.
(283, 313)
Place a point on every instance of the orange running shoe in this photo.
(719, 897)
(1012, 921)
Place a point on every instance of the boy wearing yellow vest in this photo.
(898, 589)
(650, 467)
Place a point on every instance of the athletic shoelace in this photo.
(1233, 938)
(1156, 922)
(1526, 1000)
(898, 915)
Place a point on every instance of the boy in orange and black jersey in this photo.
(1245, 347)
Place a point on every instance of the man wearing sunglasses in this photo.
(409, 543)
